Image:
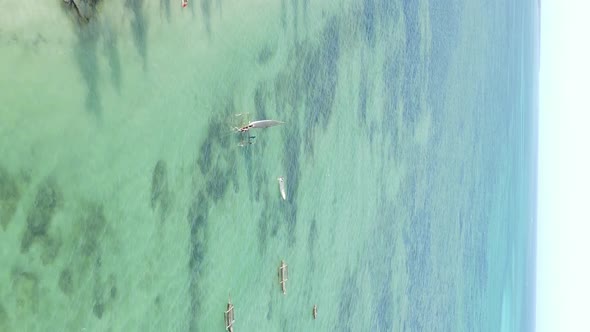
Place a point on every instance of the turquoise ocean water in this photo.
(408, 152)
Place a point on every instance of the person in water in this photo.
(250, 141)
(184, 3)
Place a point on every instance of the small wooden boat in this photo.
(228, 316)
(283, 276)
(315, 311)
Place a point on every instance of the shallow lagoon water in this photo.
(127, 204)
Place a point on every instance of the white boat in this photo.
(282, 188)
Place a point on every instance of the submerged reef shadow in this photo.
(112, 52)
(86, 56)
(165, 7)
(66, 281)
(87, 29)
(368, 22)
(83, 11)
(206, 12)
(9, 197)
(139, 26)
(25, 288)
(214, 170)
(292, 165)
(312, 241)
(160, 193)
(4, 319)
(320, 79)
(47, 200)
(85, 273)
(414, 73)
(197, 220)
(349, 293)
(90, 30)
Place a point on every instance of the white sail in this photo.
(264, 123)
